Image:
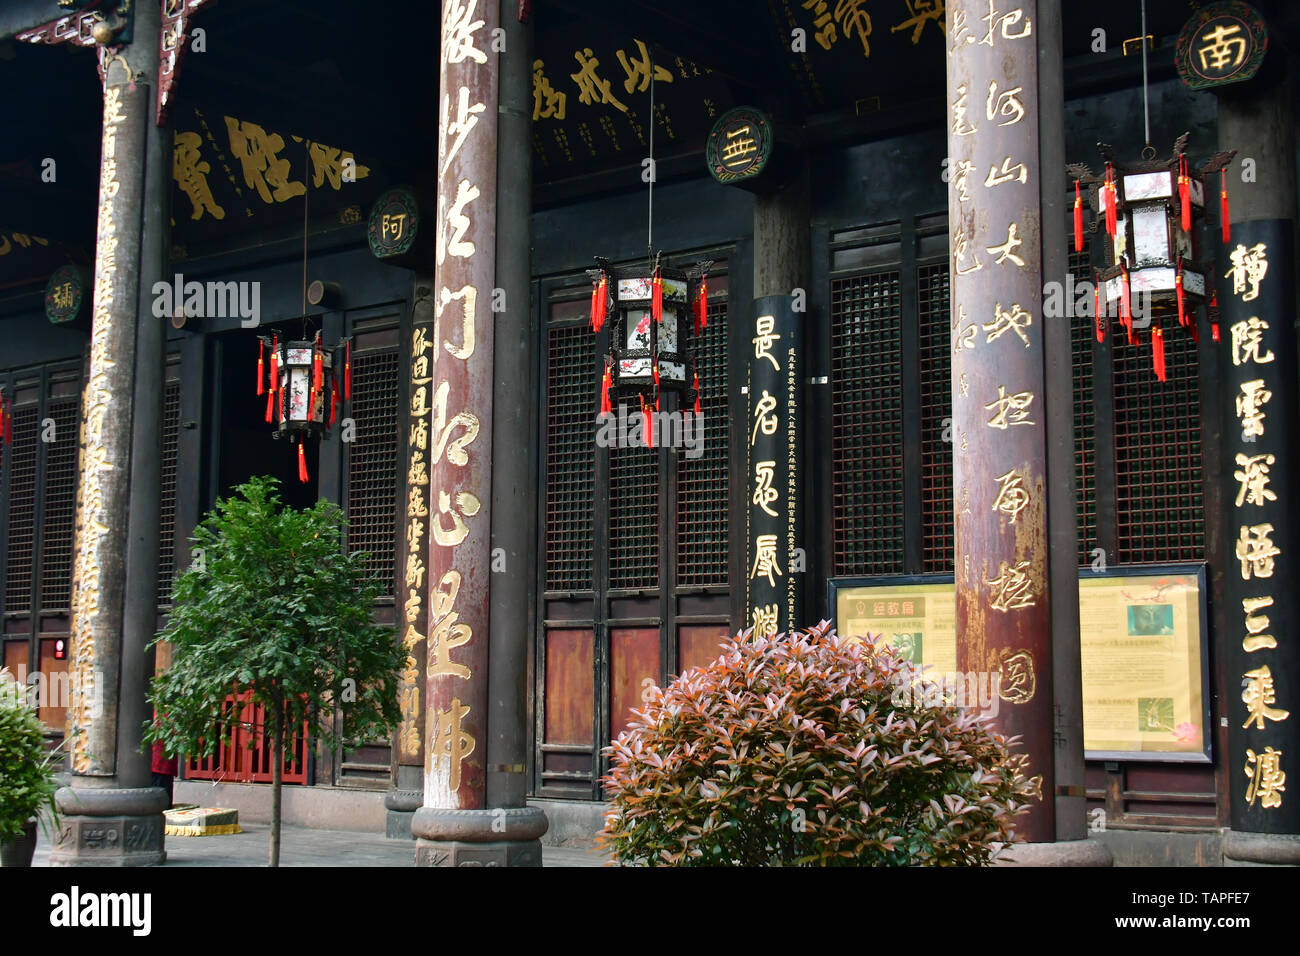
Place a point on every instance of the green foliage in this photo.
(275, 606)
(27, 782)
(805, 750)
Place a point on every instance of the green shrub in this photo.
(789, 752)
(27, 781)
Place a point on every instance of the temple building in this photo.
(969, 324)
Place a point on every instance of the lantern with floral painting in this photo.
(653, 311)
(1149, 214)
(302, 386)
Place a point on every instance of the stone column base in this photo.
(401, 806)
(496, 837)
(1241, 848)
(1065, 853)
(110, 827)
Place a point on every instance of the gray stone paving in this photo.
(300, 846)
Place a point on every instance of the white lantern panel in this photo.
(638, 329)
(1141, 186)
(299, 356)
(672, 371)
(1157, 279)
(299, 391)
(1150, 235)
(638, 367)
(633, 289)
(1193, 282)
(668, 331)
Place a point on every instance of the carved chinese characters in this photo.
(452, 413)
(998, 425)
(774, 561)
(1257, 299)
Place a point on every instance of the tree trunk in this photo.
(277, 773)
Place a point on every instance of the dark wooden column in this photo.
(112, 814)
(1000, 478)
(1258, 655)
(455, 826)
(774, 486)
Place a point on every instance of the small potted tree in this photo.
(273, 606)
(27, 782)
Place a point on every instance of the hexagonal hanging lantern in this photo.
(302, 388)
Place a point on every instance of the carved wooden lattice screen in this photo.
(60, 500)
(21, 546)
(936, 418)
(702, 482)
(570, 464)
(171, 430)
(867, 424)
(372, 462)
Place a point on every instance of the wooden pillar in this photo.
(1261, 435)
(455, 826)
(112, 816)
(775, 567)
(1000, 476)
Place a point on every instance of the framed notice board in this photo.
(1144, 650)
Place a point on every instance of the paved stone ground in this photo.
(300, 846)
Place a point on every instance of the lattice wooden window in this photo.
(866, 424)
(571, 405)
(1082, 337)
(21, 546)
(1158, 481)
(60, 503)
(702, 482)
(373, 457)
(633, 517)
(171, 422)
(936, 418)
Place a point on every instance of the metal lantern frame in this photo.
(303, 391)
(639, 346)
(1156, 249)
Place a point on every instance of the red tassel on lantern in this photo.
(1178, 288)
(1214, 331)
(1223, 206)
(1078, 219)
(647, 423)
(657, 298)
(317, 375)
(334, 399)
(606, 382)
(1185, 193)
(1108, 200)
(698, 411)
(302, 465)
(1191, 325)
(261, 369)
(599, 303)
(347, 369)
(1126, 306)
(275, 362)
(270, 400)
(1214, 321)
(1158, 351)
(702, 306)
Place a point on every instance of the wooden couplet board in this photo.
(459, 411)
(774, 531)
(1256, 288)
(99, 572)
(1003, 615)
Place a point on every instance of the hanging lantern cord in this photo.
(1146, 107)
(650, 197)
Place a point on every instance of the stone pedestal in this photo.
(497, 837)
(1063, 853)
(1241, 848)
(109, 827)
(401, 802)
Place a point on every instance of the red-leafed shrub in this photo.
(794, 751)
